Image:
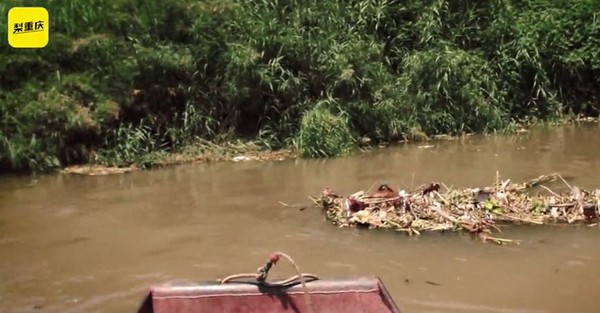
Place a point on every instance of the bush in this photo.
(113, 87)
(324, 134)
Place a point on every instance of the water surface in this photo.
(94, 244)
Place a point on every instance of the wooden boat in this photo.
(362, 294)
(304, 293)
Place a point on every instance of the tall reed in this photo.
(125, 79)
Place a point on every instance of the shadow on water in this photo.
(93, 244)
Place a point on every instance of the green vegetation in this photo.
(126, 81)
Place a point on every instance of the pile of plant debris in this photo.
(435, 207)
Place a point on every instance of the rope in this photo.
(307, 297)
(262, 272)
(273, 284)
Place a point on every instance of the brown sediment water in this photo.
(94, 244)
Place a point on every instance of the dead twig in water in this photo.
(500, 240)
(564, 181)
(293, 206)
(552, 192)
(432, 283)
(371, 188)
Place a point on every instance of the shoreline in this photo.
(179, 159)
(248, 151)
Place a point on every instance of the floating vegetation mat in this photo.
(480, 211)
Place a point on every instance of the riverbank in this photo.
(155, 85)
(250, 151)
(207, 153)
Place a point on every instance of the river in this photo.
(94, 244)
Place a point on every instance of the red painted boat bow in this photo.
(255, 295)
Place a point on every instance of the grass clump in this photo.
(324, 134)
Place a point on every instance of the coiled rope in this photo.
(262, 273)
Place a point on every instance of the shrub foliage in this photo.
(123, 81)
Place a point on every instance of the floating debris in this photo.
(243, 158)
(96, 170)
(476, 210)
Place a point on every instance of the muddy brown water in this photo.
(93, 244)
